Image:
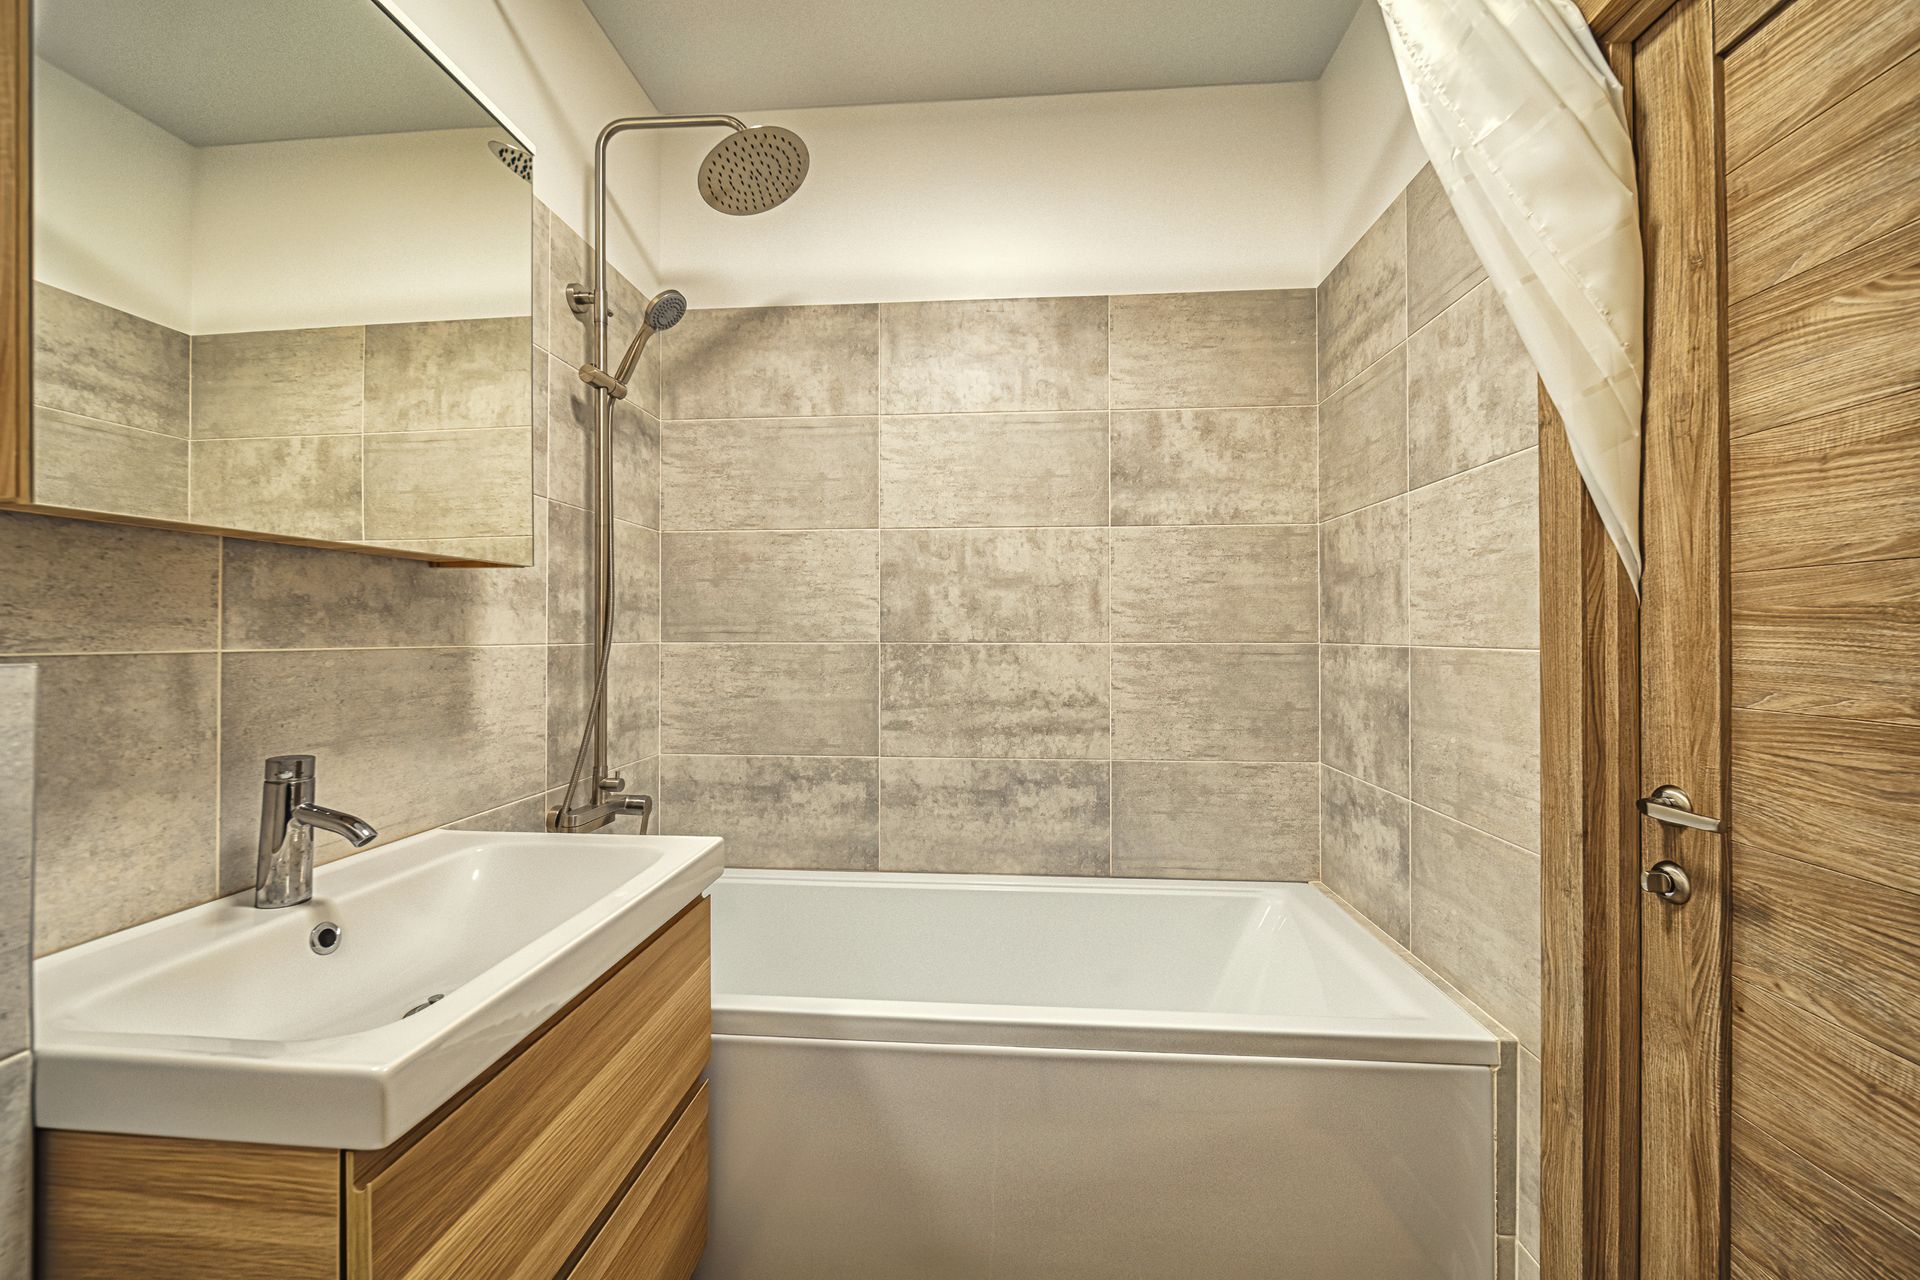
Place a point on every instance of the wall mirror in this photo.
(282, 280)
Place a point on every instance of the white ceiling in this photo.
(218, 72)
(754, 55)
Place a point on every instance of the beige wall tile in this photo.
(569, 584)
(569, 438)
(1363, 438)
(633, 708)
(1474, 571)
(1256, 583)
(994, 470)
(1364, 714)
(449, 375)
(16, 855)
(993, 355)
(449, 484)
(279, 382)
(1363, 301)
(91, 465)
(1214, 466)
(542, 417)
(1034, 817)
(568, 336)
(1441, 265)
(527, 814)
(636, 559)
(1211, 350)
(636, 466)
(303, 486)
(777, 811)
(993, 584)
(771, 473)
(1215, 702)
(1476, 739)
(492, 553)
(770, 586)
(100, 362)
(1528, 1156)
(1043, 701)
(1216, 821)
(1363, 576)
(16, 1166)
(1472, 394)
(771, 362)
(72, 586)
(457, 730)
(1366, 842)
(770, 699)
(542, 319)
(147, 722)
(1476, 919)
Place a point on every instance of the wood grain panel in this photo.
(1793, 1222)
(1842, 180)
(1829, 489)
(1830, 338)
(509, 1182)
(1808, 58)
(1834, 640)
(1733, 19)
(659, 1229)
(114, 1206)
(1807, 934)
(16, 255)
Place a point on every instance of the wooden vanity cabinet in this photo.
(582, 1152)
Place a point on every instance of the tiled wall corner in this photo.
(17, 695)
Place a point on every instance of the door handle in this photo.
(1669, 880)
(1671, 805)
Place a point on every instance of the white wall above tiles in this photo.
(1368, 148)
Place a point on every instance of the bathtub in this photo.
(924, 1077)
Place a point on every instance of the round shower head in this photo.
(666, 309)
(512, 157)
(753, 170)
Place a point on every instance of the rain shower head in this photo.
(513, 157)
(753, 170)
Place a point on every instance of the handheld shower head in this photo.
(753, 170)
(663, 311)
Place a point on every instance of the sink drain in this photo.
(433, 999)
(325, 938)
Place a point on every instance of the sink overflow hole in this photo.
(325, 938)
(435, 998)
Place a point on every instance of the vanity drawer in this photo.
(659, 1229)
(507, 1180)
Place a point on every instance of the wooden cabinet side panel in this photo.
(659, 1229)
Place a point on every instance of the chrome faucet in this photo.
(284, 875)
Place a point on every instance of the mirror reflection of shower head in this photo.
(663, 311)
(513, 157)
(753, 170)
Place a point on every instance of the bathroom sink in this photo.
(345, 1021)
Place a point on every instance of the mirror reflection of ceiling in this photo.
(291, 68)
(755, 55)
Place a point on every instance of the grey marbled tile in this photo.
(542, 419)
(1213, 350)
(778, 811)
(16, 854)
(16, 1166)
(633, 703)
(527, 814)
(636, 466)
(993, 584)
(73, 586)
(541, 257)
(1214, 466)
(771, 473)
(1472, 394)
(449, 484)
(770, 699)
(1505, 1122)
(1366, 842)
(570, 433)
(569, 337)
(1030, 817)
(1216, 702)
(1363, 438)
(449, 375)
(570, 591)
(636, 557)
(993, 355)
(771, 362)
(301, 486)
(148, 722)
(489, 553)
(966, 470)
(1527, 1156)
(1473, 573)
(1526, 1265)
(92, 465)
(770, 586)
(1363, 575)
(285, 597)
(1256, 582)
(1216, 821)
(279, 382)
(1040, 701)
(1363, 301)
(1364, 712)
(100, 362)
(1476, 739)
(1476, 918)
(457, 728)
(1441, 265)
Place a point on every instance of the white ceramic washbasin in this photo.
(223, 1022)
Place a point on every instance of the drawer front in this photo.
(509, 1181)
(659, 1229)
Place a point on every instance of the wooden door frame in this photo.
(16, 258)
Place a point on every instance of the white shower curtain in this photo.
(1526, 128)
